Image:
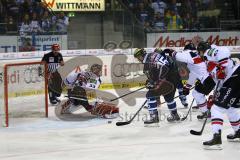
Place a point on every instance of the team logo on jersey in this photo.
(51, 59)
(212, 52)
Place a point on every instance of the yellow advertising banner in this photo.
(75, 5)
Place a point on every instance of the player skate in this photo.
(235, 137)
(153, 121)
(203, 115)
(184, 101)
(173, 117)
(215, 143)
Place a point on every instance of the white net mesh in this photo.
(22, 93)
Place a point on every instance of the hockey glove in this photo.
(186, 89)
(221, 72)
(210, 102)
(150, 84)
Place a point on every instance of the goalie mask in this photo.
(96, 69)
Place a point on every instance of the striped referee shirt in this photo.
(53, 61)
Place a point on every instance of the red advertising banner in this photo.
(181, 39)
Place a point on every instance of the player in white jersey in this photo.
(198, 72)
(77, 84)
(227, 95)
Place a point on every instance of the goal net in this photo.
(23, 92)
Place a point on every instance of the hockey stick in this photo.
(175, 97)
(128, 122)
(77, 98)
(127, 94)
(198, 133)
(190, 108)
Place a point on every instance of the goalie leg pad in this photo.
(105, 110)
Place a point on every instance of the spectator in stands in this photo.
(38, 8)
(187, 21)
(173, 6)
(25, 7)
(159, 7)
(174, 21)
(144, 13)
(24, 28)
(12, 9)
(62, 23)
(46, 22)
(159, 22)
(35, 27)
(11, 25)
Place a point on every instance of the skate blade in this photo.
(172, 122)
(236, 140)
(195, 110)
(152, 125)
(213, 147)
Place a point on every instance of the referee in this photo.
(53, 60)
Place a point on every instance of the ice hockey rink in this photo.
(97, 139)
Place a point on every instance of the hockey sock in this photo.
(172, 107)
(217, 118)
(152, 105)
(203, 107)
(234, 118)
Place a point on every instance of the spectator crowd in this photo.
(30, 18)
(170, 15)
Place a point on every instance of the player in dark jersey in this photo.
(53, 59)
(162, 80)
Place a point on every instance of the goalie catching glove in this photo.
(105, 110)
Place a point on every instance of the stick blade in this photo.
(122, 123)
(184, 118)
(196, 133)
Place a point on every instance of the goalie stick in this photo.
(128, 122)
(198, 133)
(77, 98)
(190, 108)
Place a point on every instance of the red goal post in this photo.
(20, 80)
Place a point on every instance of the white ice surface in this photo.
(95, 139)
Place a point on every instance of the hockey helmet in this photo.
(189, 46)
(96, 69)
(139, 52)
(217, 54)
(55, 47)
(158, 50)
(203, 46)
